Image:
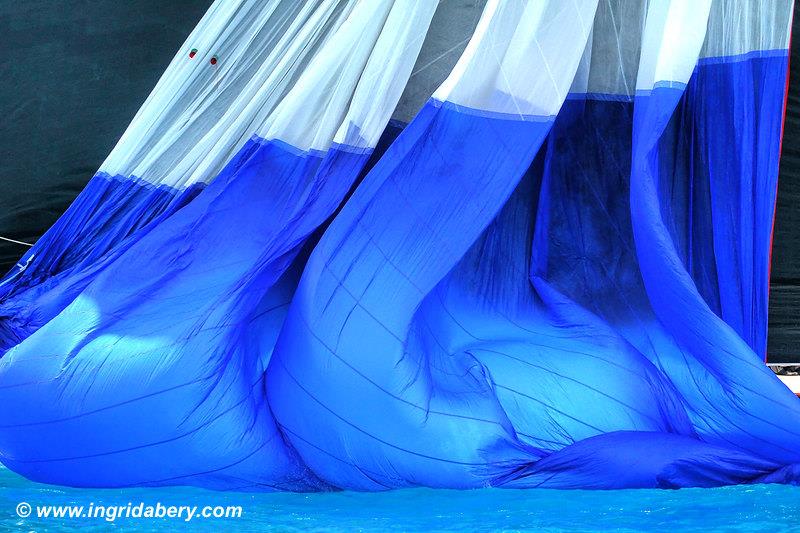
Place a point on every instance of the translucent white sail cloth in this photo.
(560, 262)
(224, 86)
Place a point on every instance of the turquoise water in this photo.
(748, 508)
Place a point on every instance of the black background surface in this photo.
(784, 303)
(73, 73)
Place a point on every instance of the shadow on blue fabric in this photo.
(568, 302)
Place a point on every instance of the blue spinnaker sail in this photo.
(555, 276)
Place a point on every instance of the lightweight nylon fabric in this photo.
(204, 293)
(351, 326)
(555, 276)
(197, 118)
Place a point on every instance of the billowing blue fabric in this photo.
(105, 217)
(30, 297)
(520, 301)
(353, 393)
(107, 211)
(154, 374)
(436, 339)
(733, 398)
(741, 183)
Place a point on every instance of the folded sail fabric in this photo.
(601, 234)
(357, 342)
(185, 317)
(554, 277)
(231, 73)
(731, 396)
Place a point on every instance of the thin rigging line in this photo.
(15, 241)
(441, 56)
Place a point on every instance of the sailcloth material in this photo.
(216, 275)
(555, 276)
(197, 119)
